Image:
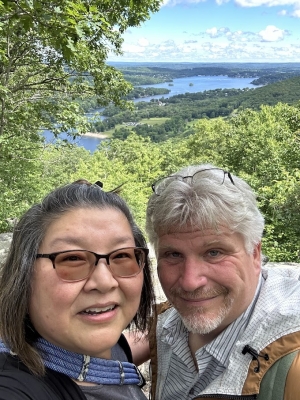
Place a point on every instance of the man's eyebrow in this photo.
(216, 242)
(213, 241)
(167, 247)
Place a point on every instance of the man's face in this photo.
(208, 276)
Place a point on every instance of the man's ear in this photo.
(257, 257)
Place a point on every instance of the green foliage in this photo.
(263, 148)
(189, 107)
(260, 146)
(53, 53)
(52, 62)
(52, 69)
(32, 172)
(133, 163)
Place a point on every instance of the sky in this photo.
(216, 31)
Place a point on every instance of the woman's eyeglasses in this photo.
(77, 265)
(218, 176)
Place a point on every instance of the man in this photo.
(228, 321)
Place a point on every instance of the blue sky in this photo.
(217, 31)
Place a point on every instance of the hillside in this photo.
(174, 118)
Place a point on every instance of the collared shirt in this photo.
(183, 380)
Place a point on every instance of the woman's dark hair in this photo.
(16, 275)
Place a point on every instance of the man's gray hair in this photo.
(211, 199)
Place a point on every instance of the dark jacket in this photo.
(18, 383)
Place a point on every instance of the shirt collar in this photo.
(174, 332)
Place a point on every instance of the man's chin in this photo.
(202, 324)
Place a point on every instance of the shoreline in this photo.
(95, 135)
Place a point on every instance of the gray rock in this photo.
(5, 240)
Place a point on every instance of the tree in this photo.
(53, 52)
(263, 148)
(133, 163)
(52, 57)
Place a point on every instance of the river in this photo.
(178, 86)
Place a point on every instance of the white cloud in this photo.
(143, 42)
(212, 32)
(245, 3)
(267, 3)
(232, 36)
(242, 3)
(213, 50)
(176, 2)
(272, 3)
(132, 48)
(217, 32)
(272, 34)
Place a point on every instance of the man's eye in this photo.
(214, 253)
(173, 254)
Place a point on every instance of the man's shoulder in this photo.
(288, 269)
(162, 307)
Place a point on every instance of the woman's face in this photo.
(88, 316)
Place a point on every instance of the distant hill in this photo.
(174, 115)
(286, 91)
(262, 74)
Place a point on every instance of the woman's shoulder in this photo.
(121, 351)
(18, 383)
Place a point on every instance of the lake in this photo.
(198, 84)
(88, 142)
(191, 84)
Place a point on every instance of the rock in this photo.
(5, 240)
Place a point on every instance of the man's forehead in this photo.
(202, 235)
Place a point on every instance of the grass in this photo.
(148, 121)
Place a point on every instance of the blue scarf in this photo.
(84, 368)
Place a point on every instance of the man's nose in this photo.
(193, 274)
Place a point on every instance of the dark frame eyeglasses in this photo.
(160, 185)
(78, 265)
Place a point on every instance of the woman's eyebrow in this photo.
(80, 241)
(66, 240)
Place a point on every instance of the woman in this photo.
(76, 276)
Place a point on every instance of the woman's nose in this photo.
(101, 278)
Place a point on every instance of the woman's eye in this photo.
(72, 258)
(121, 255)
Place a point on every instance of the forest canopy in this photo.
(53, 63)
(260, 146)
(52, 57)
